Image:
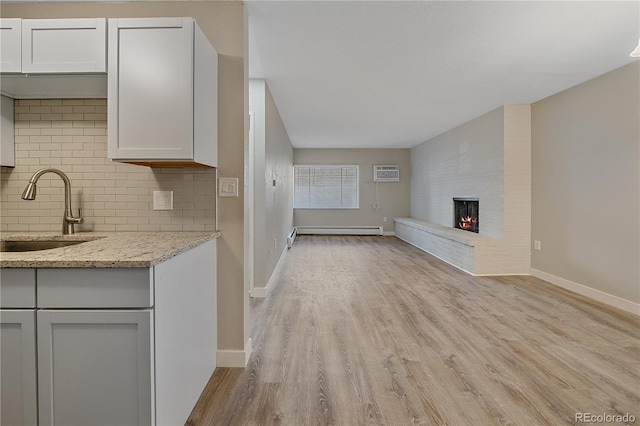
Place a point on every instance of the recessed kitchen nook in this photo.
(85, 294)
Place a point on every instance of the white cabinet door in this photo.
(163, 93)
(18, 367)
(151, 88)
(64, 45)
(95, 367)
(10, 45)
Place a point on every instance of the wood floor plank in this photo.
(370, 330)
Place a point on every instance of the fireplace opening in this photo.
(466, 214)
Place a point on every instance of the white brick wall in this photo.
(466, 161)
(71, 135)
(516, 256)
(488, 158)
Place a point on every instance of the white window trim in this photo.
(331, 166)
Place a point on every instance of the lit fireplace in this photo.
(466, 214)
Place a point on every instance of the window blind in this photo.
(325, 187)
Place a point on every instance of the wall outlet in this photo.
(537, 245)
(163, 200)
(384, 219)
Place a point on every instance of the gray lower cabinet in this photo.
(108, 346)
(95, 361)
(18, 381)
(90, 362)
(18, 367)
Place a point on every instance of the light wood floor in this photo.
(370, 330)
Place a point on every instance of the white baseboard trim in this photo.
(504, 274)
(262, 291)
(389, 234)
(234, 358)
(592, 293)
(339, 230)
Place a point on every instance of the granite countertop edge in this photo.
(103, 249)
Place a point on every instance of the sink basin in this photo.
(19, 246)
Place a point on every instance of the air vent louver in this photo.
(386, 173)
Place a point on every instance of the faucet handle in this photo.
(72, 219)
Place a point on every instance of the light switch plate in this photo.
(227, 187)
(163, 200)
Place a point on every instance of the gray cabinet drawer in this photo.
(95, 288)
(17, 288)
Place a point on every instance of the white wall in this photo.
(586, 184)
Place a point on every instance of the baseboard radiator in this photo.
(291, 237)
(339, 230)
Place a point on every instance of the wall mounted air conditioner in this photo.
(386, 173)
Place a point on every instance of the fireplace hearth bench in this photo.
(473, 253)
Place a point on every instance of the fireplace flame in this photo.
(467, 222)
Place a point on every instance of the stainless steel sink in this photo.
(19, 246)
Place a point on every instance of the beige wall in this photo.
(278, 198)
(224, 24)
(393, 196)
(71, 135)
(586, 183)
(273, 205)
(257, 94)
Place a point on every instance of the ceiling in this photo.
(364, 74)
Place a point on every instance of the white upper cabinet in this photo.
(10, 45)
(7, 133)
(162, 93)
(53, 58)
(64, 45)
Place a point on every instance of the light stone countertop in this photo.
(103, 249)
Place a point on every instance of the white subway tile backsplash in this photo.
(71, 134)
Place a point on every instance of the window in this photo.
(325, 187)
